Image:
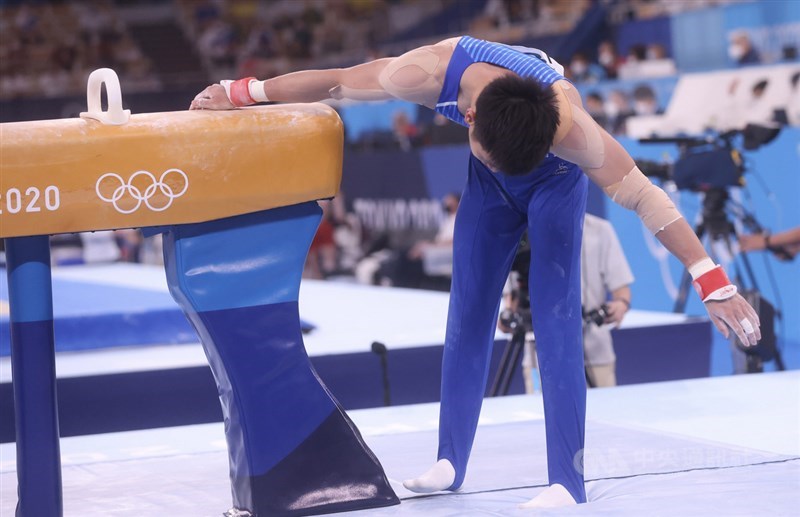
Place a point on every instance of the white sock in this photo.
(438, 477)
(553, 496)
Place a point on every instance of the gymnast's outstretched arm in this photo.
(582, 141)
(305, 86)
(414, 76)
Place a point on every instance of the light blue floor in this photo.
(719, 446)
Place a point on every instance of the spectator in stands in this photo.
(321, 260)
(442, 132)
(637, 53)
(428, 258)
(405, 132)
(609, 59)
(336, 247)
(347, 235)
(65, 54)
(789, 53)
(644, 101)
(647, 61)
(100, 247)
(741, 49)
(129, 242)
(66, 249)
(656, 51)
(581, 70)
(495, 13)
(259, 42)
(444, 236)
(218, 42)
(152, 250)
(594, 106)
(618, 110)
(205, 13)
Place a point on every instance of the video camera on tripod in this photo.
(516, 318)
(704, 163)
(713, 164)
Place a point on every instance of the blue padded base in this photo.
(324, 459)
(237, 280)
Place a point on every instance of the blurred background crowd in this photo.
(621, 54)
(47, 48)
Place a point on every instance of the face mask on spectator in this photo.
(578, 68)
(644, 108)
(735, 51)
(611, 109)
(606, 58)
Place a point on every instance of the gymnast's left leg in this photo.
(555, 226)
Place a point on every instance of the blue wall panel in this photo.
(756, 14)
(360, 118)
(645, 32)
(698, 40)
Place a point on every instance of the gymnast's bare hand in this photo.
(731, 313)
(212, 98)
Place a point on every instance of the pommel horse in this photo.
(234, 194)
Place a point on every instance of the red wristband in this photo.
(714, 285)
(240, 92)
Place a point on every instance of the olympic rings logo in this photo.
(142, 187)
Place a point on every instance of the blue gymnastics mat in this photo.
(117, 305)
(691, 452)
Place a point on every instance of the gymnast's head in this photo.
(512, 125)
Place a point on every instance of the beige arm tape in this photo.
(411, 76)
(580, 141)
(651, 204)
(341, 91)
(360, 83)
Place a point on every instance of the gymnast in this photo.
(532, 147)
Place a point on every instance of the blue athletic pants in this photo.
(493, 214)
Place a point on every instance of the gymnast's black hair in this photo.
(515, 122)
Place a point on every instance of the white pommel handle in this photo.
(115, 116)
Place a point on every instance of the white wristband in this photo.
(701, 267)
(256, 89)
(226, 83)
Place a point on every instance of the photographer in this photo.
(605, 298)
(605, 275)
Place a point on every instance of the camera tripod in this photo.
(715, 225)
(508, 362)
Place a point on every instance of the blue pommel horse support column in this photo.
(235, 195)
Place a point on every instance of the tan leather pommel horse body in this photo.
(234, 194)
(59, 175)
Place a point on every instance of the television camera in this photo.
(711, 165)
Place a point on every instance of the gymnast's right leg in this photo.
(486, 236)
